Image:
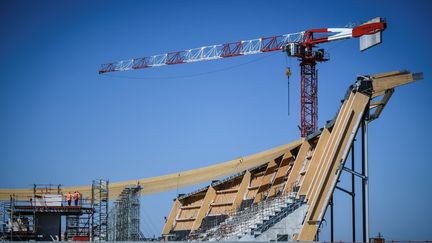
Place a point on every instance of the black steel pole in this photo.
(365, 195)
(353, 193)
(363, 184)
(331, 221)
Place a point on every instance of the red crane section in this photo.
(300, 45)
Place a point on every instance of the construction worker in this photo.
(69, 198)
(76, 197)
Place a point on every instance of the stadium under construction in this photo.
(281, 194)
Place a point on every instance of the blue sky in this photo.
(61, 122)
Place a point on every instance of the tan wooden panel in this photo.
(220, 209)
(280, 176)
(266, 181)
(189, 210)
(225, 197)
(241, 190)
(226, 194)
(184, 225)
(255, 182)
(170, 220)
(298, 163)
(314, 163)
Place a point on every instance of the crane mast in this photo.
(300, 45)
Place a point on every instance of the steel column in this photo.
(353, 193)
(331, 221)
(365, 181)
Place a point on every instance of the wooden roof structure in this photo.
(309, 166)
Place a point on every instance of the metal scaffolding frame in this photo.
(99, 202)
(78, 226)
(3, 218)
(37, 216)
(124, 222)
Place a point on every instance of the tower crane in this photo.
(301, 45)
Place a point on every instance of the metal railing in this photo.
(278, 217)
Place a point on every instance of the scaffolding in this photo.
(78, 227)
(99, 202)
(4, 216)
(38, 216)
(124, 222)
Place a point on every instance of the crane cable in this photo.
(288, 74)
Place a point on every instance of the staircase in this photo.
(252, 221)
(277, 218)
(267, 224)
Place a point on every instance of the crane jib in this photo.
(245, 47)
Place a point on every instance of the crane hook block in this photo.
(288, 72)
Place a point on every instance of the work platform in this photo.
(61, 210)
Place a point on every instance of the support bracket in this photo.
(354, 173)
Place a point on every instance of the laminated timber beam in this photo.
(204, 208)
(334, 154)
(170, 220)
(241, 191)
(342, 135)
(323, 157)
(314, 164)
(176, 180)
(386, 81)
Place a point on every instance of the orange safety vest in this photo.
(68, 197)
(76, 196)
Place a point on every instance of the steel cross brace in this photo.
(345, 190)
(354, 173)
